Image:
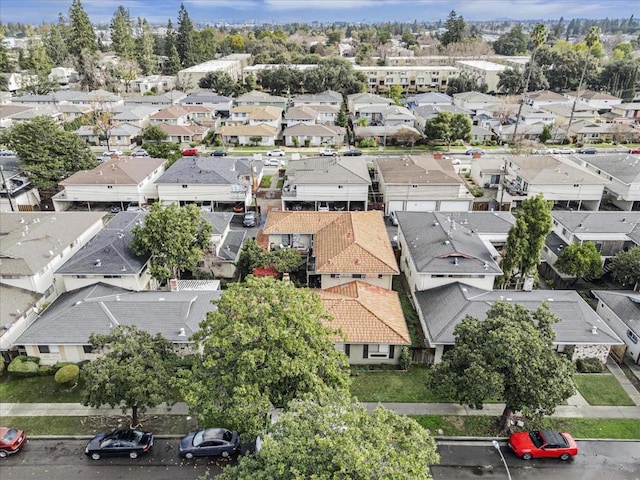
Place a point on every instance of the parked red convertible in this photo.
(543, 444)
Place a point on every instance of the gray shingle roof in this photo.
(623, 166)
(439, 244)
(444, 307)
(587, 222)
(626, 305)
(29, 240)
(328, 170)
(109, 252)
(75, 315)
(207, 170)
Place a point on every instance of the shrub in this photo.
(367, 143)
(405, 358)
(589, 365)
(23, 367)
(28, 358)
(67, 374)
(2, 366)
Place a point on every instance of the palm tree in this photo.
(591, 40)
(539, 38)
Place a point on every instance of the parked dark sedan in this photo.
(352, 152)
(219, 153)
(210, 442)
(119, 442)
(588, 150)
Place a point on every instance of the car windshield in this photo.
(198, 438)
(10, 435)
(536, 438)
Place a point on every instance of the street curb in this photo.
(89, 437)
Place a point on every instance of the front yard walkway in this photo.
(628, 387)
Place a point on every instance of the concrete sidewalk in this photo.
(493, 409)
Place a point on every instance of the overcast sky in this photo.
(283, 11)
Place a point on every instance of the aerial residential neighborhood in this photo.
(277, 249)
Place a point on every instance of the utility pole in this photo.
(6, 188)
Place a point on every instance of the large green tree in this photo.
(465, 83)
(132, 371)
(186, 38)
(507, 356)
(144, 47)
(333, 437)
(56, 45)
(619, 78)
(526, 239)
(455, 29)
(176, 237)
(81, 37)
(580, 260)
(448, 127)
(514, 42)
(122, 39)
(220, 82)
(263, 346)
(253, 255)
(625, 268)
(46, 152)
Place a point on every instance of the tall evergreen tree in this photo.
(123, 41)
(455, 26)
(173, 65)
(146, 58)
(185, 40)
(81, 38)
(56, 45)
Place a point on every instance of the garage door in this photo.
(454, 206)
(421, 206)
(395, 205)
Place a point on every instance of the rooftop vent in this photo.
(594, 329)
(98, 263)
(182, 333)
(447, 242)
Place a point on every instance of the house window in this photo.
(48, 349)
(48, 292)
(377, 350)
(358, 275)
(335, 275)
(632, 336)
(87, 348)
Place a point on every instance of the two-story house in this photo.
(340, 246)
(621, 311)
(611, 232)
(420, 183)
(33, 245)
(118, 181)
(558, 180)
(331, 183)
(622, 171)
(219, 183)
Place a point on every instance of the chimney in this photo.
(173, 285)
(594, 329)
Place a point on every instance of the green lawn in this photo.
(158, 424)
(485, 426)
(601, 389)
(42, 389)
(266, 181)
(393, 386)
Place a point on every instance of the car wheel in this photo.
(3, 454)
(565, 456)
(527, 456)
(188, 455)
(225, 454)
(133, 455)
(95, 456)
